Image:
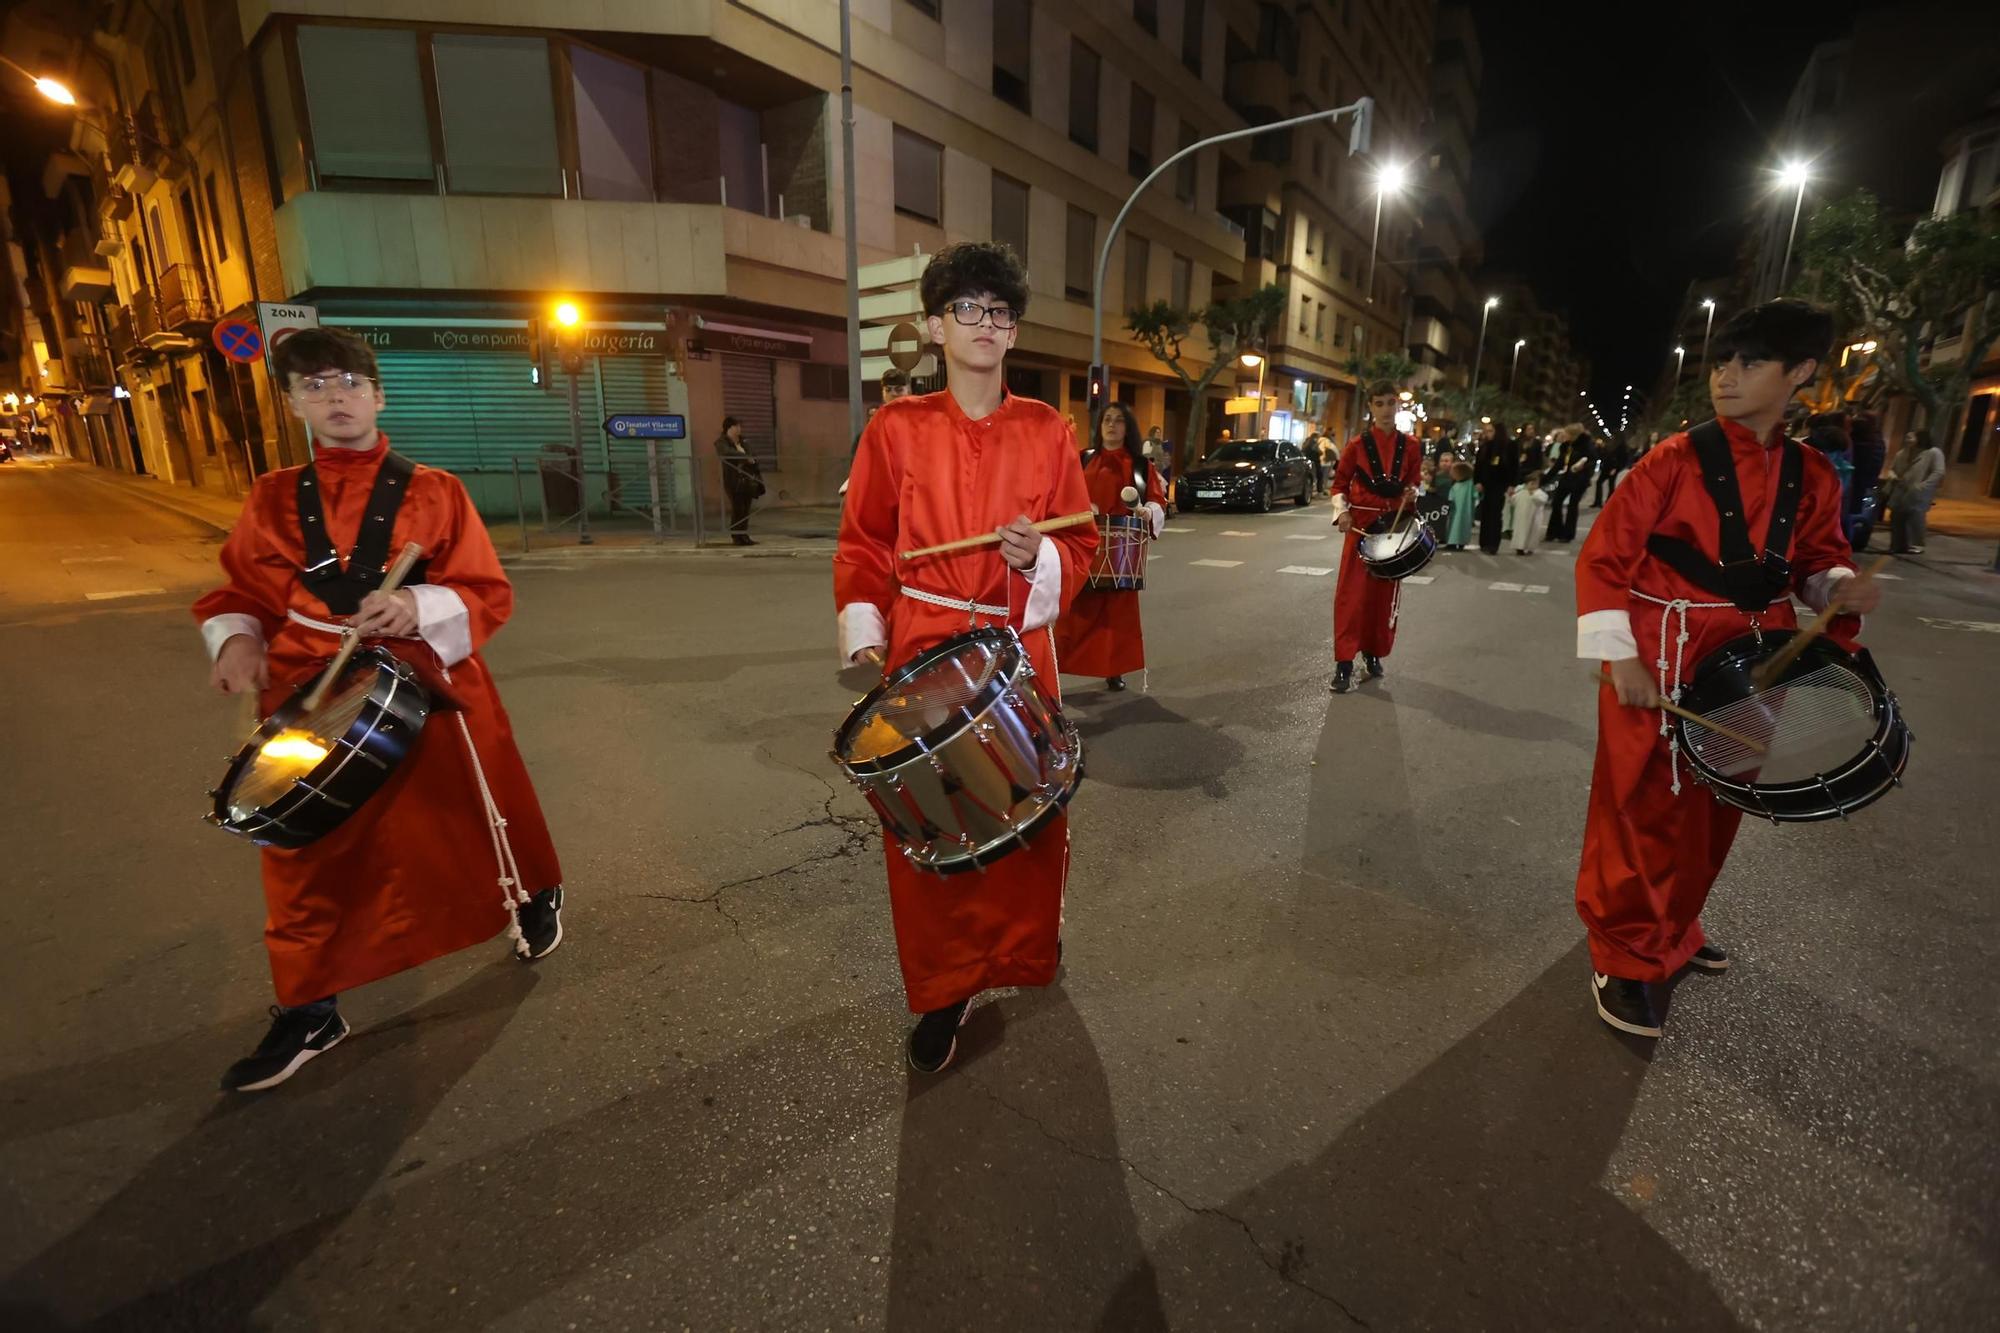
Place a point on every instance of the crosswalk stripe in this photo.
(1503, 587)
(1536, 587)
(1313, 570)
(125, 592)
(1176, 529)
(1217, 564)
(1976, 626)
(1237, 534)
(1305, 536)
(1421, 578)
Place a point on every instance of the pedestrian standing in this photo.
(1617, 458)
(742, 479)
(1572, 472)
(1870, 455)
(1495, 474)
(1914, 478)
(1525, 513)
(1464, 500)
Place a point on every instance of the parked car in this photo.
(6, 452)
(1247, 472)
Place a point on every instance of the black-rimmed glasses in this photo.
(971, 312)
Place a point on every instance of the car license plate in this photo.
(1208, 495)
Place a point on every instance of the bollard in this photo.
(653, 482)
(520, 506)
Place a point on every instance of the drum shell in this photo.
(1724, 676)
(983, 782)
(1119, 564)
(1397, 561)
(358, 765)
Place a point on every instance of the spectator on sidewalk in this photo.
(742, 479)
(1572, 475)
(1616, 459)
(1866, 447)
(1913, 484)
(1464, 500)
(1494, 472)
(1436, 478)
(1525, 513)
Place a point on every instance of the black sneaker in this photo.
(1343, 677)
(296, 1036)
(1626, 1005)
(934, 1040)
(1114, 683)
(1374, 665)
(541, 925)
(1709, 958)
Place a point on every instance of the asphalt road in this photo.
(1323, 1054)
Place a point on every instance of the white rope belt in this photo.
(952, 603)
(1679, 607)
(512, 895)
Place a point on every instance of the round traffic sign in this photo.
(239, 341)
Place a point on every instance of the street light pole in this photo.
(1707, 329)
(1472, 398)
(855, 409)
(1797, 203)
(1389, 178)
(1680, 361)
(1519, 343)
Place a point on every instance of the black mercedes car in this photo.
(1247, 472)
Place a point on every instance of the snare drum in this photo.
(1120, 562)
(962, 753)
(1395, 549)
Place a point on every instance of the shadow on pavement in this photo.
(1012, 1208)
(1143, 745)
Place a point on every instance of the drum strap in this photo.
(343, 587)
(1388, 485)
(1749, 580)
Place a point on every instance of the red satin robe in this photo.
(411, 875)
(1100, 634)
(1364, 607)
(926, 474)
(1649, 855)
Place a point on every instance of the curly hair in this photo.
(969, 267)
(311, 350)
(1133, 444)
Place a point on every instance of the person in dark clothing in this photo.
(1572, 474)
(1495, 471)
(1616, 459)
(1533, 456)
(742, 479)
(1869, 452)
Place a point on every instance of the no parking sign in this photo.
(239, 341)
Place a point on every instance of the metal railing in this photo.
(184, 297)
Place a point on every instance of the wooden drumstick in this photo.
(1668, 705)
(350, 640)
(247, 706)
(993, 538)
(1773, 668)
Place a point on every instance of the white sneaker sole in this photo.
(1701, 965)
(521, 948)
(1596, 998)
(297, 1063)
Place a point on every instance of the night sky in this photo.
(1609, 172)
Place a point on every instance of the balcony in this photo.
(150, 328)
(185, 306)
(88, 370)
(154, 136)
(123, 342)
(84, 274)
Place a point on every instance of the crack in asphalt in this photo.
(1284, 1267)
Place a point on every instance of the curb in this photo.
(157, 495)
(565, 555)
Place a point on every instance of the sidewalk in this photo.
(216, 512)
(1967, 516)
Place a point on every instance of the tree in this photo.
(1942, 281)
(1688, 404)
(1463, 406)
(1231, 326)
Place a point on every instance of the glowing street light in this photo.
(1519, 343)
(567, 314)
(55, 91)
(1389, 180)
(1708, 303)
(1793, 174)
(1473, 396)
(1680, 361)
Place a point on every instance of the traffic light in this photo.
(538, 355)
(1100, 389)
(569, 335)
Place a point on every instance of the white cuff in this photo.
(1045, 590)
(1819, 588)
(1339, 506)
(1159, 517)
(218, 630)
(443, 622)
(1605, 636)
(861, 626)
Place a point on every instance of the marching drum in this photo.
(1120, 562)
(1395, 548)
(961, 752)
(304, 772)
(1834, 739)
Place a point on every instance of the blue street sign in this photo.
(638, 426)
(238, 341)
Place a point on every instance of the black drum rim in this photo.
(963, 717)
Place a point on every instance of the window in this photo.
(1010, 213)
(825, 383)
(614, 146)
(919, 176)
(1336, 331)
(215, 219)
(1319, 321)
(1185, 172)
(1079, 253)
(498, 113)
(929, 8)
(1192, 13)
(1139, 150)
(1312, 239)
(365, 103)
(1346, 266)
(1305, 313)
(1084, 72)
(1183, 286)
(1138, 258)
(1146, 13)
(1012, 21)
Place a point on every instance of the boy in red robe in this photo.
(1377, 472)
(1100, 634)
(933, 469)
(429, 865)
(1652, 599)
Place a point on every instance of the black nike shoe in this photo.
(1373, 664)
(1343, 677)
(934, 1040)
(1626, 1005)
(541, 925)
(296, 1036)
(1114, 683)
(1710, 958)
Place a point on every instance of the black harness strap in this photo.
(342, 588)
(1748, 580)
(1389, 486)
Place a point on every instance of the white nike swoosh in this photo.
(1601, 979)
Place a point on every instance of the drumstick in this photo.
(350, 640)
(1668, 705)
(247, 703)
(989, 538)
(1774, 667)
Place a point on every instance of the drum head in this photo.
(1813, 721)
(929, 700)
(288, 749)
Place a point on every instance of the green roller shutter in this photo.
(474, 415)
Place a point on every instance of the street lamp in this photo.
(1472, 398)
(1248, 361)
(1796, 174)
(1389, 180)
(1680, 362)
(1708, 303)
(569, 341)
(1519, 343)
